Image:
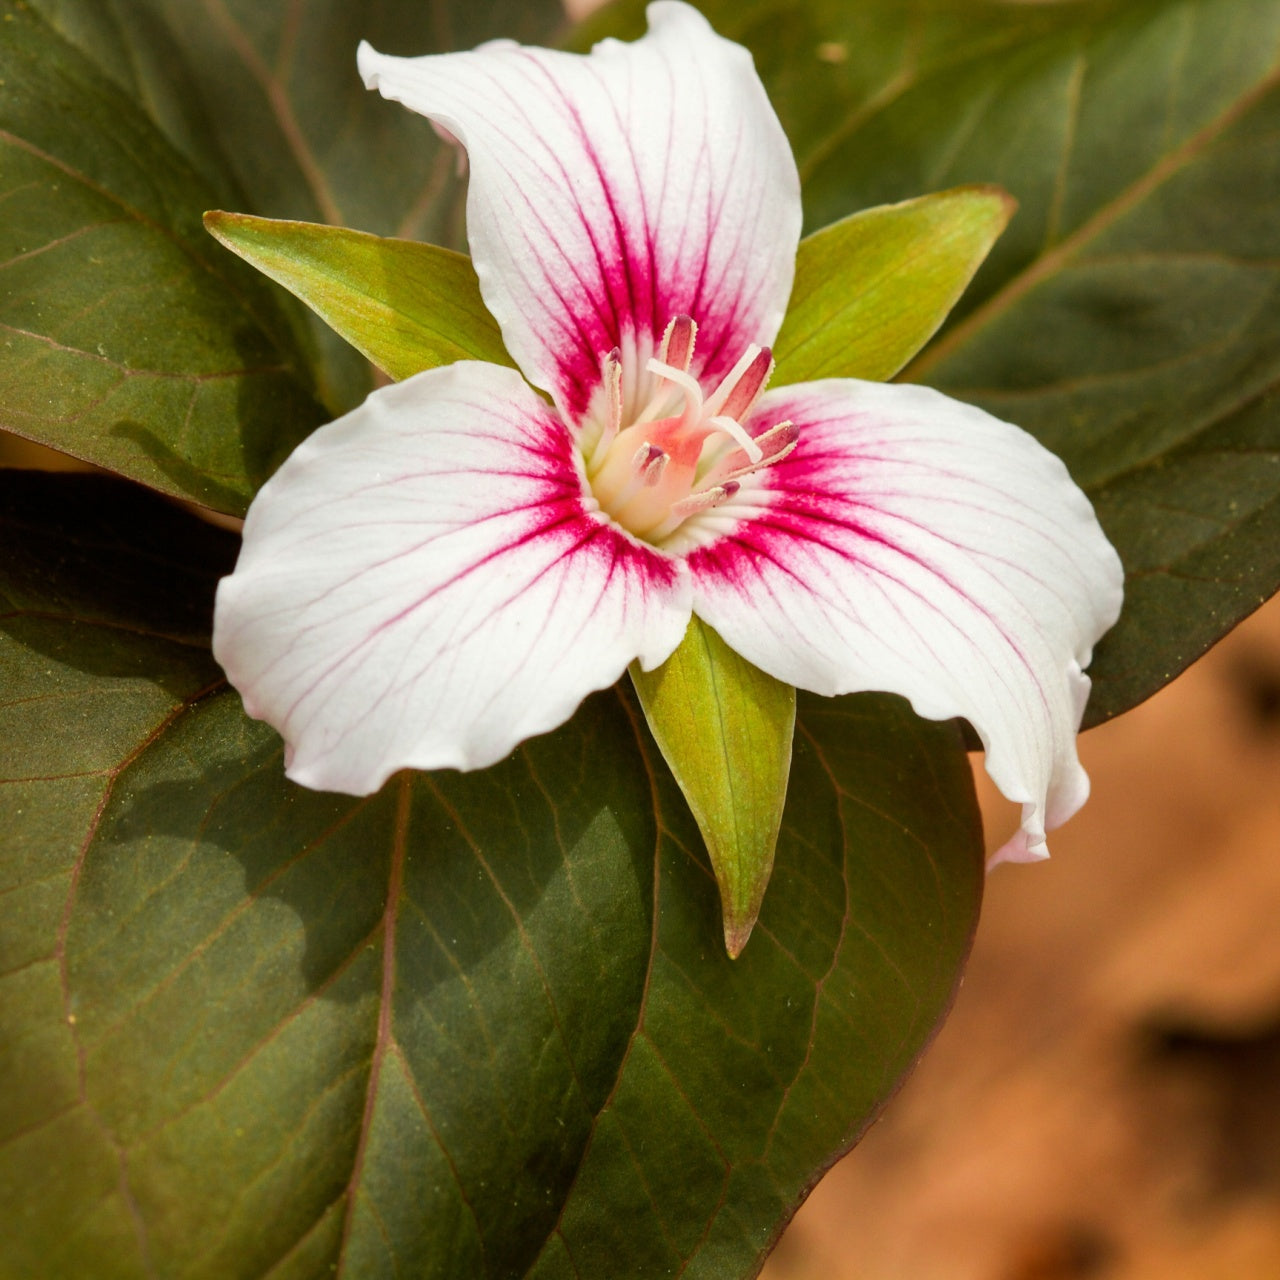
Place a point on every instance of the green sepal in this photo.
(872, 289)
(725, 730)
(407, 306)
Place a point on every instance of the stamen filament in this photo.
(703, 500)
(746, 391)
(611, 377)
(685, 381)
(652, 471)
(739, 435)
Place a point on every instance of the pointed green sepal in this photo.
(872, 289)
(406, 306)
(725, 729)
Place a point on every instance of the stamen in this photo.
(780, 439)
(611, 370)
(685, 381)
(676, 348)
(611, 379)
(739, 436)
(705, 500)
(691, 456)
(647, 466)
(752, 467)
(746, 391)
(650, 462)
(716, 400)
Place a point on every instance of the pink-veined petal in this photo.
(917, 545)
(421, 586)
(613, 191)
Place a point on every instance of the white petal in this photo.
(917, 545)
(613, 191)
(421, 585)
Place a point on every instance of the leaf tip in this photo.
(1006, 202)
(216, 223)
(737, 932)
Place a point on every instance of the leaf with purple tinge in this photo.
(473, 1025)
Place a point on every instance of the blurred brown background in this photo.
(1105, 1099)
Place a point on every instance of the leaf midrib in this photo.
(385, 1036)
(637, 1029)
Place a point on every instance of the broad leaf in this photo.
(873, 288)
(133, 47)
(1130, 316)
(130, 339)
(406, 306)
(476, 1025)
(263, 96)
(300, 135)
(725, 729)
(304, 137)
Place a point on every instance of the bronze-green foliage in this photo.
(484, 1024)
(478, 1024)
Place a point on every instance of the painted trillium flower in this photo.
(453, 566)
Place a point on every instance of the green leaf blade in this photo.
(725, 729)
(406, 306)
(872, 289)
(127, 342)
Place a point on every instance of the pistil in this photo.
(682, 454)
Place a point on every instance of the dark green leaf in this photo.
(476, 1025)
(127, 337)
(129, 340)
(303, 135)
(1130, 316)
(132, 46)
(407, 306)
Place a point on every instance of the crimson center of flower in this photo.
(653, 470)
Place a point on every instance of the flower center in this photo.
(681, 455)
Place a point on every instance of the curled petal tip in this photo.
(367, 58)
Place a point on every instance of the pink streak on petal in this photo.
(424, 585)
(916, 545)
(612, 192)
